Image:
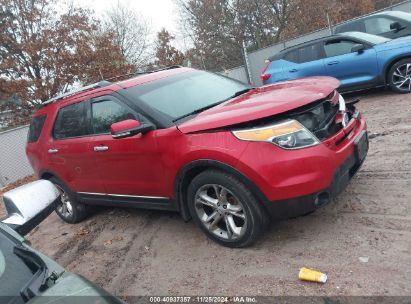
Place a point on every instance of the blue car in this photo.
(358, 60)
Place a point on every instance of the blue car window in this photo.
(293, 56)
(306, 53)
(337, 48)
(378, 25)
(354, 26)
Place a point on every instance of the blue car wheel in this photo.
(399, 77)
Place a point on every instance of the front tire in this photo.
(225, 210)
(399, 76)
(68, 208)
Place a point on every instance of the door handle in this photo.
(293, 70)
(52, 151)
(333, 62)
(100, 148)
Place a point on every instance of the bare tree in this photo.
(131, 34)
(311, 15)
(281, 12)
(218, 28)
(42, 50)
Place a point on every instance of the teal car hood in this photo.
(73, 288)
(393, 44)
(69, 287)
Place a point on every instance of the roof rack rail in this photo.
(170, 67)
(145, 72)
(100, 84)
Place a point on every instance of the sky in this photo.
(161, 13)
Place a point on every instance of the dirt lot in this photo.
(136, 252)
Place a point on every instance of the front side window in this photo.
(337, 48)
(35, 128)
(107, 112)
(378, 25)
(71, 121)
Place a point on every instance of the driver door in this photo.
(351, 68)
(128, 166)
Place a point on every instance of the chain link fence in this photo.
(14, 164)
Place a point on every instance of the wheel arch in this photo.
(192, 169)
(393, 61)
(47, 174)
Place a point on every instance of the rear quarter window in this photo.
(35, 128)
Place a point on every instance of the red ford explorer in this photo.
(227, 155)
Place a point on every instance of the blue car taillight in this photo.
(265, 76)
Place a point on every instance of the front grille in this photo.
(319, 118)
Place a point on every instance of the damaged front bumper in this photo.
(290, 208)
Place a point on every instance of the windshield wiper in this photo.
(236, 94)
(38, 282)
(198, 111)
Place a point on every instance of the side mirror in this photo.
(358, 48)
(28, 205)
(129, 127)
(396, 26)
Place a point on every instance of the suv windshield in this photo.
(187, 93)
(373, 39)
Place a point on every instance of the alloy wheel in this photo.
(220, 211)
(401, 77)
(64, 206)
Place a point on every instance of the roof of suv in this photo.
(106, 86)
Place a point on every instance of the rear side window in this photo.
(307, 53)
(107, 112)
(35, 128)
(71, 121)
(292, 56)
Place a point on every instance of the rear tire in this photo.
(68, 208)
(399, 76)
(225, 209)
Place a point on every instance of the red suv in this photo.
(215, 150)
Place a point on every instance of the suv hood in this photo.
(262, 102)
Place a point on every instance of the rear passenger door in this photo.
(129, 167)
(351, 68)
(304, 61)
(69, 149)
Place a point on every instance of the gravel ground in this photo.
(136, 252)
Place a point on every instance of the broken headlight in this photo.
(289, 134)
